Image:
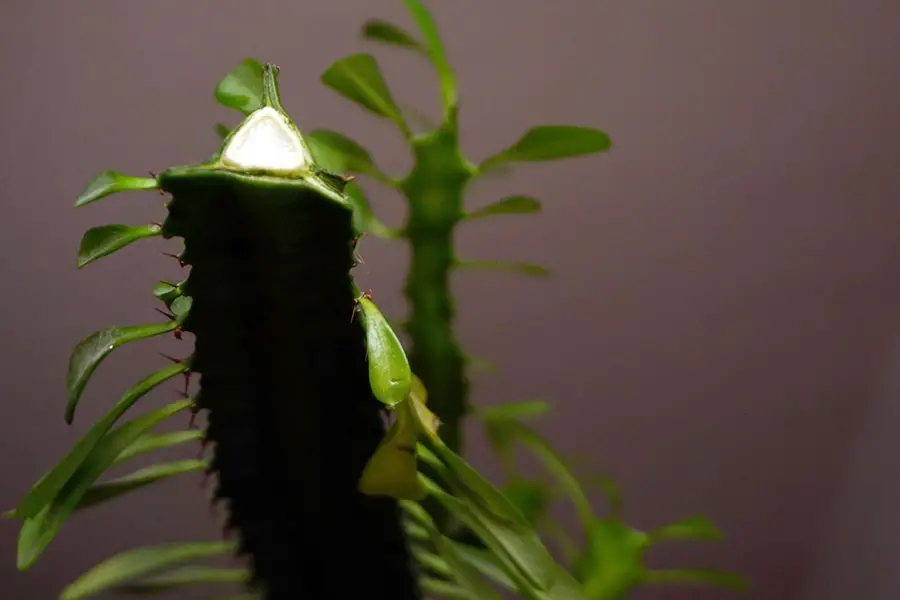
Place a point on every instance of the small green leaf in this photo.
(159, 441)
(513, 411)
(485, 562)
(391, 471)
(359, 78)
(106, 239)
(551, 142)
(47, 488)
(389, 372)
(103, 492)
(388, 33)
(38, 531)
(518, 205)
(481, 364)
(222, 131)
(184, 577)
(242, 88)
(139, 562)
(692, 528)
(356, 159)
(180, 307)
(94, 349)
(435, 50)
(713, 577)
(502, 265)
(112, 182)
(167, 292)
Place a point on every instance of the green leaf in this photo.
(692, 528)
(502, 527)
(435, 50)
(112, 182)
(444, 589)
(131, 564)
(47, 488)
(551, 142)
(222, 131)
(103, 492)
(359, 78)
(519, 205)
(389, 374)
(106, 239)
(388, 33)
(185, 577)
(612, 563)
(242, 88)
(159, 441)
(532, 498)
(485, 562)
(513, 411)
(481, 364)
(94, 349)
(168, 292)
(356, 159)
(501, 265)
(712, 577)
(38, 531)
(364, 220)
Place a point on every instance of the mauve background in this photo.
(721, 330)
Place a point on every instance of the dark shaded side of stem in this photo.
(284, 377)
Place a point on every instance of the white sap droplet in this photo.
(266, 141)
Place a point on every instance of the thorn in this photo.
(348, 178)
(358, 258)
(170, 316)
(172, 358)
(152, 174)
(354, 311)
(175, 256)
(178, 331)
(182, 395)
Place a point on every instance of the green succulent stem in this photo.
(434, 190)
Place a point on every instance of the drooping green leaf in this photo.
(502, 527)
(501, 265)
(513, 205)
(513, 411)
(356, 159)
(222, 131)
(112, 182)
(444, 589)
(180, 307)
(691, 528)
(242, 88)
(106, 239)
(38, 531)
(358, 78)
(139, 562)
(435, 50)
(554, 463)
(551, 142)
(103, 492)
(159, 441)
(94, 349)
(381, 31)
(184, 577)
(485, 562)
(481, 364)
(713, 577)
(389, 374)
(47, 488)
(532, 498)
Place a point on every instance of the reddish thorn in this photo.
(175, 256)
(152, 174)
(172, 358)
(359, 259)
(178, 331)
(348, 178)
(166, 313)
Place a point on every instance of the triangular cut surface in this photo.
(266, 140)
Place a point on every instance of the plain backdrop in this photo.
(720, 331)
